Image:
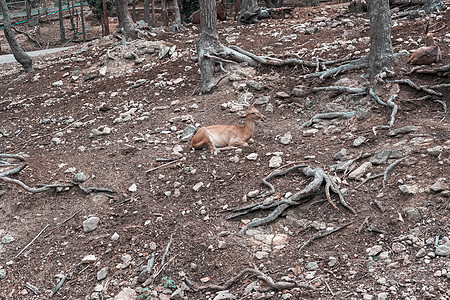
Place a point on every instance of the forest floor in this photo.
(155, 224)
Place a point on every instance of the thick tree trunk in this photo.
(206, 44)
(381, 53)
(249, 12)
(147, 11)
(165, 14)
(62, 30)
(126, 24)
(176, 25)
(21, 56)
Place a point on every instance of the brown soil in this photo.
(33, 112)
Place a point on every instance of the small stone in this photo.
(310, 132)
(409, 189)
(440, 185)
(102, 273)
(360, 171)
(435, 151)
(188, 133)
(404, 130)
(311, 266)
(223, 295)
(89, 259)
(332, 261)
(80, 177)
(421, 253)
(2, 273)
(253, 194)
(198, 186)
(58, 83)
(7, 239)
(90, 224)
(443, 250)
(126, 294)
(252, 156)
(412, 214)
(286, 138)
(115, 236)
(359, 141)
(275, 162)
(382, 296)
(132, 188)
(375, 250)
(380, 157)
(261, 254)
(341, 154)
(56, 140)
(398, 247)
(282, 95)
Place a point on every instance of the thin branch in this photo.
(32, 241)
(384, 174)
(417, 87)
(167, 250)
(164, 165)
(61, 282)
(322, 234)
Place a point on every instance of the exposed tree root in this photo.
(319, 177)
(440, 71)
(384, 174)
(356, 64)
(322, 234)
(330, 115)
(389, 103)
(417, 87)
(345, 165)
(28, 36)
(272, 285)
(342, 89)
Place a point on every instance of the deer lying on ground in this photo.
(227, 137)
(221, 14)
(427, 55)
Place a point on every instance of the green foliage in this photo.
(169, 282)
(97, 7)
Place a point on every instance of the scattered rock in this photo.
(252, 156)
(188, 133)
(58, 83)
(359, 141)
(286, 138)
(340, 155)
(360, 171)
(126, 294)
(222, 295)
(275, 162)
(282, 95)
(90, 224)
(7, 239)
(261, 254)
(198, 186)
(132, 188)
(102, 273)
(443, 250)
(311, 266)
(89, 259)
(2, 273)
(380, 157)
(80, 177)
(409, 189)
(435, 151)
(115, 236)
(440, 185)
(374, 250)
(398, 247)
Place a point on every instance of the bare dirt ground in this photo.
(117, 122)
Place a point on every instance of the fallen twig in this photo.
(342, 89)
(32, 241)
(167, 250)
(61, 282)
(330, 115)
(322, 234)
(165, 165)
(32, 288)
(63, 222)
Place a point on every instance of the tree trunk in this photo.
(206, 44)
(381, 53)
(70, 9)
(21, 56)
(249, 12)
(62, 30)
(133, 11)
(83, 26)
(126, 24)
(153, 14)
(176, 25)
(147, 11)
(165, 15)
(28, 9)
(105, 17)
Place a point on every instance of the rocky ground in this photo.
(136, 214)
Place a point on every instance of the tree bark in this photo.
(83, 26)
(147, 11)
(165, 14)
(126, 24)
(381, 55)
(62, 30)
(21, 56)
(249, 12)
(28, 9)
(105, 17)
(206, 44)
(176, 25)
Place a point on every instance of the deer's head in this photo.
(253, 114)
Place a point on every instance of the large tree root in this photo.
(272, 285)
(417, 87)
(319, 177)
(330, 115)
(360, 63)
(440, 71)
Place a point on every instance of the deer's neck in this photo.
(249, 128)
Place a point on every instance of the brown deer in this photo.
(427, 55)
(227, 137)
(221, 14)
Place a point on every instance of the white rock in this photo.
(275, 162)
(252, 156)
(198, 186)
(133, 188)
(89, 259)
